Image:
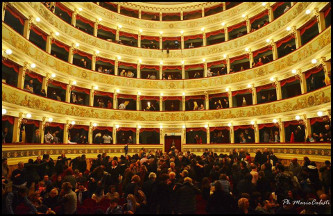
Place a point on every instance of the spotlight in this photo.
(140, 61)
(80, 9)
(246, 49)
(227, 89)
(314, 61)
(4, 111)
(161, 32)
(229, 124)
(206, 126)
(50, 119)
(9, 51)
(202, 29)
(33, 65)
(183, 62)
(77, 44)
(117, 126)
(139, 93)
(95, 87)
(184, 126)
(203, 60)
(320, 113)
(224, 56)
(243, 15)
(94, 124)
(268, 40)
(288, 28)
(272, 79)
(249, 85)
(252, 122)
(181, 32)
(161, 93)
(53, 75)
(118, 57)
(28, 115)
(161, 127)
(100, 19)
(223, 24)
(308, 11)
(117, 90)
(184, 93)
(57, 33)
(73, 123)
(74, 82)
(161, 62)
(298, 117)
(120, 26)
(139, 126)
(293, 71)
(140, 30)
(37, 19)
(97, 51)
(275, 120)
(264, 4)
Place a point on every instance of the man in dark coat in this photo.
(161, 196)
(186, 197)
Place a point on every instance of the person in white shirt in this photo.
(122, 106)
(152, 76)
(130, 74)
(48, 137)
(287, 8)
(191, 46)
(209, 73)
(107, 139)
(254, 174)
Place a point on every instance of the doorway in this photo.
(170, 141)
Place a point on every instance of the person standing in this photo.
(107, 139)
(68, 198)
(126, 149)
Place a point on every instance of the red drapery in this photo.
(236, 26)
(104, 28)
(278, 4)
(64, 9)
(285, 40)
(34, 76)
(244, 91)
(259, 16)
(150, 130)
(155, 67)
(171, 38)
(216, 63)
(225, 94)
(127, 64)
(11, 64)
(171, 14)
(82, 19)
(196, 129)
(121, 33)
(61, 45)
(239, 58)
(261, 126)
(105, 60)
(262, 50)
(110, 3)
(313, 71)
(150, 13)
(295, 122)
(59, 84)
(214, 7)
(126, 96)
(243, 127)
(179, 98)
(143, 37)
(319, 119)
(190, 37)
(172, 68)
(218, 128)
(289, 80)
(82, 54)
(32, 122)
(100, 93)
(10, 119)
(110, 129)
(192, 12)
(84, 127)
(127, 129)
(83, 90)
(16, 15)
(39, 32)
(221, 31)
(264, 87)
(129, 9)
(155, 98)
(53, 124)
(327, 11)
(195, 97)
(308, 25)
(201, 66)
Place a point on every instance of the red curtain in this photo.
(59, 84)
(308, 25)
(201, 66)
(319, 119)
(156, 98)
(34, 76)
(221, 31)
(172, 68)
(243, 127)
(265, 49)
(11, 64)
(171, 14)
(216, 63)
(179, 98)
(82, 54)
(150, 13)
(239, 58)
(121, 33)
(83, 90)
(218, 128)
(244, 91)
(16, 15)
(212, 8)
(134, 66)
(192, 12)
(105, 60)
(110, 3)
(129, 9)
(327, 11)
(195, 129)
(127, 129)
(143, 37)
(64, 9)
(236, 26)
(84, 127)
(285, 40)
(258, 16)
(278, 4)
(289, 80)
(195, 97)
(156, 67)
(32, 122)
(38, 31)
(104, 28)
(53, 124)
(264, 87)
(313, 71)
(110, 129)
(126, 96)
(295, 122)
(150, 130)
(261, 126)
(225, 94)
(190, 37)
(61, 45)
(100, 93)
(171, 38)
(10, 119)
(81, 18)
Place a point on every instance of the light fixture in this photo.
(161, 93)
(95, 87)
(293, 71)
(32, 65)
(161, 32)
(314, 61)
(275, 120)
(288, 28)
(28, 115)
(229, 124)
(161, 126)
(50, 119)
(57, 33)
(184, 126)
(297, 117)
(53, 75)
(118, 57)
(97, 51)
(243, 15)
(140, 30)
(308, 11)
(120, 26)
(94, 124)
(77, 44)
(4, 111)
(183, 62)
(74, 82)
(246, 49)
(73, 123)
(80, 9)
(272, 79)
(184, 93)
(202, 29)
(223, 24)
(139, 93)
(9, 51)
(99, 19)
(320, 113)
(139, 126)
(225, 56)
(264, 4)
(227, 89)
(37, 19)
(249, 85)
(117, 126)
(161, 62)
(181, 32)
(252, 122)
(206, 126)
(203, 60)
(268, 40)
(140, 61)
(117, 90)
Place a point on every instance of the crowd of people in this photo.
(125, 73)
(104, 103)
(102, 138)
(167, 183)
(107, 70)
(77, 99)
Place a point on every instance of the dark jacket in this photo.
(221, 202)
(186, 198)
(85, 195)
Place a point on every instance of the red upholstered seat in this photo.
(90, 205)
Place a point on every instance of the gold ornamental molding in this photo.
(24, 51)
(155, 7)
(22, 101)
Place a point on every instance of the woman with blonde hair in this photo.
(195, 105)
(131, 204)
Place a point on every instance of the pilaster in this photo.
(91, 96)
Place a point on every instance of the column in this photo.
(53, 4)
(26, 28)
(298, 40)
(183, 71)
(232, 136)
(4, 5)
(282, 132)
(183, 137)
(256, 132)
(204, 39)
(68, 93)
(45, 83)
(66, 128)
(206, 101)
(251, 58)
(160, 16)
(16, 128)
(115, 101)
(270, 13)
(138, 70)
(226, 34)
(95, 28)
(93, 62)
(248, 25)
(161, 42)
(73, 22)
(21, 76)
(139, 40)
(308, 129)
(182, 43)
(42, 130)
(230, 98)
(302, 80)
(90, 133)
(321, 20)
(228, 64)
(254, 95)
(274, 50)
(91, 97)
(208, 135)
(203, 12)
(139, 13)
(117, 34)
(161, 103)
(181, 15)
(183, 103)
(116, 67)
(137, 137)
(70, 55)
(278, 90)
(205, 69)
(138, 102)
(114, 134)
(224, 6)
(118, 8)
(161, 71)
(48, 44)
(327, 69)
(161, 137)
